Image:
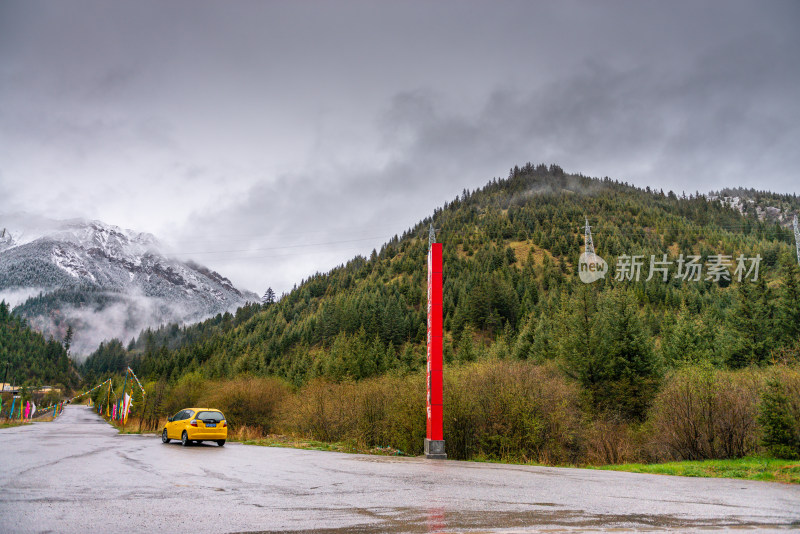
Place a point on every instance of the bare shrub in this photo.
(612, 441)
(382, 411)
(512, 410)
(321, 410)
(248, 401)
(703, 413)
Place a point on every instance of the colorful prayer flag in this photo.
(127, 408)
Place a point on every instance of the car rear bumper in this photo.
(206, 434)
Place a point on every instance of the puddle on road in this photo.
(435, 520)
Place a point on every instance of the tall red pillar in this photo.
(434, 442)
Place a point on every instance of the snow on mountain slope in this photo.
(108, 281)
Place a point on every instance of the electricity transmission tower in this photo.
(797, 239)
(587, 241)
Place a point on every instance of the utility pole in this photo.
(5, 376)
(125, 383)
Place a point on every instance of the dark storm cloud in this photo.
(266, 126)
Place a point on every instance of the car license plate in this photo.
(211, 425)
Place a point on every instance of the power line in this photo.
(282, 247)
(241, 237)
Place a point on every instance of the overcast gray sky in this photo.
(271, 140)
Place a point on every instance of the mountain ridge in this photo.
(73, 271)
(511, 251)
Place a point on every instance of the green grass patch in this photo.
(751, 468)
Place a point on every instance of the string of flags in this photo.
(55, 408)
(137, 381)
(121, 408)
(118, 411)
(28, 410)
(87, 392)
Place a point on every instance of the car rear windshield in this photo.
(210, 416)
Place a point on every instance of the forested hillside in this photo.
(511, 291)
(34, 360)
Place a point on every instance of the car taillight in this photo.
(194, 422)
(224, 424)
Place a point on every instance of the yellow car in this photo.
(196, 425)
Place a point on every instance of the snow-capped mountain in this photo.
(104, 281)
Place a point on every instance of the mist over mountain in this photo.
(103, 281)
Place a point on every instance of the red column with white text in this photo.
(434, 443)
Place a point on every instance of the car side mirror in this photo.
(169, 419)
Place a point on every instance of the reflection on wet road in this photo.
(78, 475)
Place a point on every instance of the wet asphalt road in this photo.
(78, 475)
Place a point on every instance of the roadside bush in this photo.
(188, 391)
(247, 401)
(512, 410)
(613, 441)
(319, 411)
(780, 414)
(390, 411)
(702, 413)
(383, 411)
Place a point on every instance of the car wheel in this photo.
(185, 439)
(164, 438)
(220, 442)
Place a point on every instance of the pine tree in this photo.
(269, 297)
(780, 422)
(68, 338)
(682, 342)
(466, 348)
(788, 316)
(627, 369)
(577, 340)
(752, 325)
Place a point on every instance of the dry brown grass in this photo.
(245, 433)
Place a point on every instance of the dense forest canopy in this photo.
(33, 360)
(511, 253)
